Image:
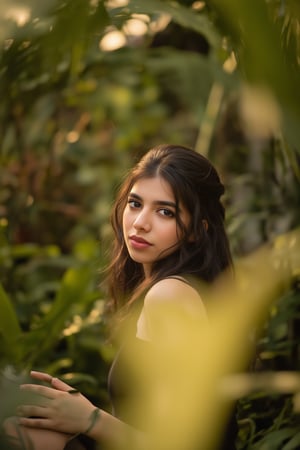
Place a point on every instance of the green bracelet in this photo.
(93, 419)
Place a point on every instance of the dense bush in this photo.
(220, 76)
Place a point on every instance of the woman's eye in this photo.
(166, 212)
(134, 204)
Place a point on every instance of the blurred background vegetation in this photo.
(87, 86)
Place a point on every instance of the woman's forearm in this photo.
(64, 409)
(114, 434)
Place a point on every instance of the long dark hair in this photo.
(203, 250)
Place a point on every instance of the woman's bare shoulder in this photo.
(170, 288)
(169, 301)
(174, 291)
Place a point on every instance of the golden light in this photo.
(137, 26)
(73, 136)
(198, 6)
(112, 41)
(116, 3)
(20, 15)
(230, 64)
(74, 327)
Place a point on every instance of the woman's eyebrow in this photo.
(156, 202)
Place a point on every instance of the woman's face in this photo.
(150, 228)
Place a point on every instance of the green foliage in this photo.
(180, 14)
(9, 325)
(74, 116)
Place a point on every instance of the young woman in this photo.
(169, 235)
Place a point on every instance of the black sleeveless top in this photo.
(130, 393)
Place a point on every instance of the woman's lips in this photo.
(139, 242)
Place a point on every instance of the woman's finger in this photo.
(30, 399)
(55, 382)
(32, 411)
(60, 385)
(44, 391)
(36, 422)
(42, 376)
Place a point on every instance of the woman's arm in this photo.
(59, 408)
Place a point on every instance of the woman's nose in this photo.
(142, 221)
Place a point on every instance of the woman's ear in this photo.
(205, 224)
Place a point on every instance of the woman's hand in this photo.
(34, 439)
(58, 408)
(54, 382)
